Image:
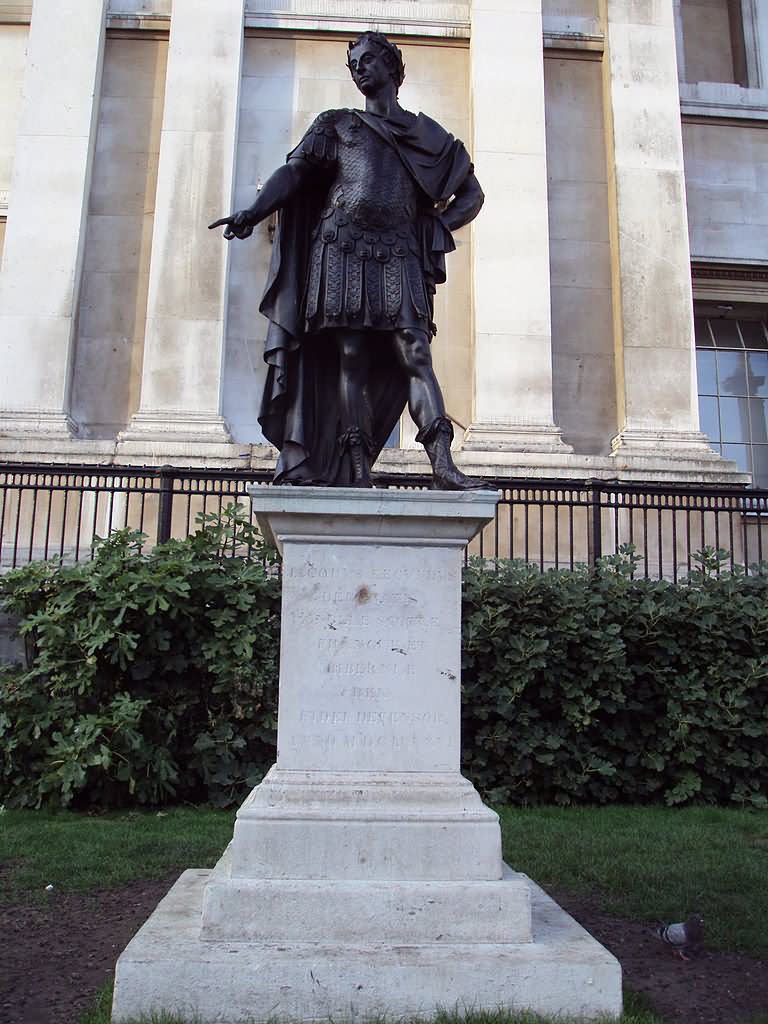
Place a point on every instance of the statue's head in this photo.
(377, 44)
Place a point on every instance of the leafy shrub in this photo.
(155, 679)
(591, 686)
(154, 675)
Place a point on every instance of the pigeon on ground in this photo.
(683, 937)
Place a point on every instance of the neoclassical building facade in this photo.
(622, 149)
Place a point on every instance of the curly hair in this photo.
(393, 58)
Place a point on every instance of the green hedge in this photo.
(154, 679)
(591, 686)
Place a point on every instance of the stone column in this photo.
(181, 385)
(653, 319)
(513, 333)
(679, 40)
(44, 241)
(758, 24)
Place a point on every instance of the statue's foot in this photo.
(358, 446)
(446, 476)
(452, 479)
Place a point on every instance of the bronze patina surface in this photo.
(367, 203)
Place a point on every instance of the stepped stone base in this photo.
(364, 876)
(168, 966)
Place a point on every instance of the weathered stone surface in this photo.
(564, 971)
(365, 825)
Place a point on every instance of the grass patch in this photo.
(636, 1011)
(77, 851)
(644, 863)
(101, 1007)
(653, 863)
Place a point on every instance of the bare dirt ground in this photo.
(55, 956)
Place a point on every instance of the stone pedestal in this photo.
(365, 875)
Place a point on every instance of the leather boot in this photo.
(446, 476)
(358, 446)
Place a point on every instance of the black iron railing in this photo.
(49, 511)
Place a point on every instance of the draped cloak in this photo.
(300, 407)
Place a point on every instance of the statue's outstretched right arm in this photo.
(278, 190)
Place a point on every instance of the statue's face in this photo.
(368, 68)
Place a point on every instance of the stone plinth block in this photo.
(364, 875)
(168, 964)
(365, 825)
(400, 912)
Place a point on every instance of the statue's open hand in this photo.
(239, 225)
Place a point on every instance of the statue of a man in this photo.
(367, 201)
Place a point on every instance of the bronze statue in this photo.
(368, 200)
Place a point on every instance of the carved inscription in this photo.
(368, 717)
(350, 729)
(366, 693)
(417, 574)
(365, 637)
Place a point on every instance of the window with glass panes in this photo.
(732, 367)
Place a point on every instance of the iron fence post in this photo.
(594, 524)
(165, 507)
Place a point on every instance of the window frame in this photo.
(711, 310)
(747, 99)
